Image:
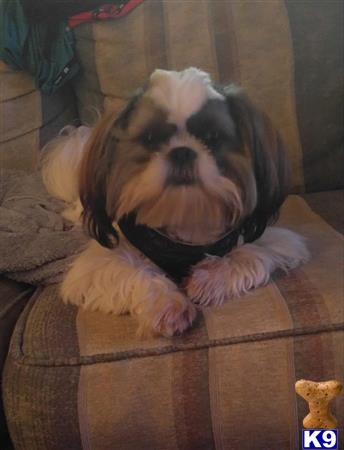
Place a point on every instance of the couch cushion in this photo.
(28, 119)
(190, 391)
(13, 298)
(287, 55)
(330, 206)
(307, 300)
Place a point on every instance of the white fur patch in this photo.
(181, 94)
(216, 280)
(61, 161)
(121, 280)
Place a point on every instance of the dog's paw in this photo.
(206, 285)
(216, 280)
(174, 317)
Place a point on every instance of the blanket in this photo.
(36, 243)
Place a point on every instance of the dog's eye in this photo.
(154, 137)
(211, 138)
(147, 138)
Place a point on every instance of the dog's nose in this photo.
(182, 156)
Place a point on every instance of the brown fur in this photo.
(93, 181)
(269, 159)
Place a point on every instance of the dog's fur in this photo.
(234, 175)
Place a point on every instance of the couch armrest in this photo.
(13, 298)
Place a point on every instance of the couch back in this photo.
(288, 55)
(28, 118)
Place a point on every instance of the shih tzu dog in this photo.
(177, 192)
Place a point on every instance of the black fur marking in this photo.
(214, 127)
(156, 134)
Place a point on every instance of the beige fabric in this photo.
(185, 23)
(324, 270)
(12, 154)
(28, 118)
(137, 409)
(261, 311)
(14, 83)
(244, 397)
(22, 115)
(267, 70)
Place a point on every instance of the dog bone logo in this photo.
(318, 396)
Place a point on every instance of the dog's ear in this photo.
(93, 182)
(269, 159)
(95, 172)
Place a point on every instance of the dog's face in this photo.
(187, 158)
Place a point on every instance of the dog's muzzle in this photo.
(181, 166)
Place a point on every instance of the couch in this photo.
(75, 379)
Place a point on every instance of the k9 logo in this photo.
(322, 439)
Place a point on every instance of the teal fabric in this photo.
(46, 53)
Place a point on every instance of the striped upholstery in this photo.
(28, 119)
(286, 54)
(13, 298)
(83, 380)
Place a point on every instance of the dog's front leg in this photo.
(120, 280)
(216, 280)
